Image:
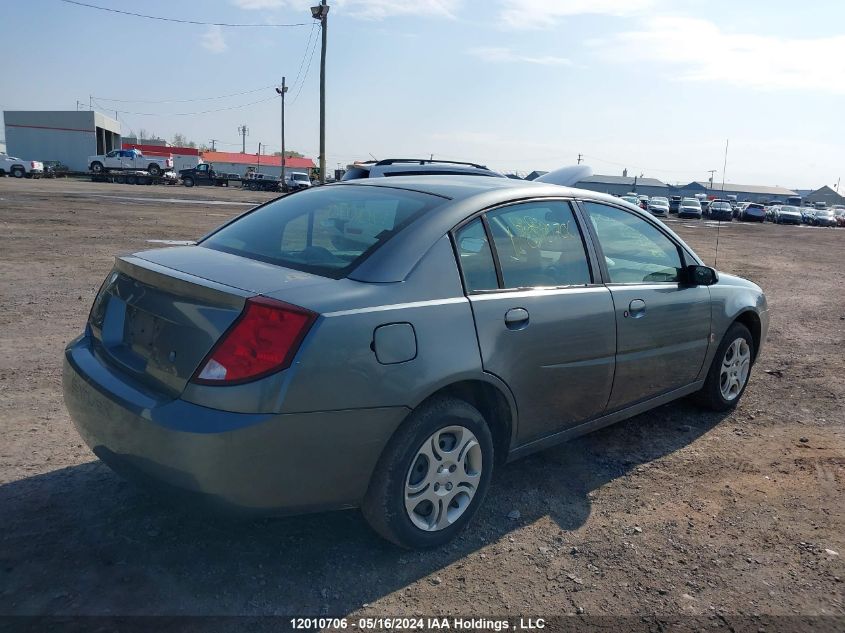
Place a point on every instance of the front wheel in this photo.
(155, 170)
(433, 475)
(97, 168)
(188, 181)
(729, 371)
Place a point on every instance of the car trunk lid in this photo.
(160, 312)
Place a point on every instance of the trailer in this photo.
(134, 177)
(261, 182)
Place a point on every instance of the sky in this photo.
(656, 87)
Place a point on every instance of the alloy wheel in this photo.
(443, 478)
(735, 367)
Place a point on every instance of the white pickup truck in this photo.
(20, 168)
(129, 159)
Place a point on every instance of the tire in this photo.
(712, 394)
(155, 170)
(120, 180)
(97, 167)
(412, 453)
(188, 181)
(18, 172)
(131, 180)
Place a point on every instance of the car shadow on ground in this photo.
(81, 540)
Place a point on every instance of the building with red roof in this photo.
(237, 163)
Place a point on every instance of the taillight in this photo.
(32, 164)
(263, 340)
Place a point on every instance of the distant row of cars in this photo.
(728, 210)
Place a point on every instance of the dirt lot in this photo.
(676, 511)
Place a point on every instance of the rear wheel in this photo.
(120, 180)
(18, 172)
(154, 170)
(433, 475)
(97, 168)
(729, 371)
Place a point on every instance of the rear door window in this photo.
(326, 230)
(476, 257)
(539, 244)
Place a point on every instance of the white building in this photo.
(67, 136)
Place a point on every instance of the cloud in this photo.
(213, 40)
(544, 14)
(701, 51)
(365, 9)
(505, 55)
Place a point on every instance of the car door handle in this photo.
(516, 318)
(636, 309)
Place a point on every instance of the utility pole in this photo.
(725, 165)
(258, 158)
(213, 147)
(711, 172)
(580, 156)
(321, 12)
(90, 102)
(282, 92)
(243, 130)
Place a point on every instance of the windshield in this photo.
(659, 202)
(300, 176)
(630, 199)
(720, 205)
(689, 202)
(789, 209)
(324, 230)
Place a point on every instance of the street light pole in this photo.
(282, 92)
(321, 12)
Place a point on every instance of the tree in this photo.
(179, 140)
(289, 153)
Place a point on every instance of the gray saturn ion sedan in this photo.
(385, 343)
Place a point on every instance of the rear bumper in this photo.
(277, 463)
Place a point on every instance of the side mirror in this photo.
(701, 275)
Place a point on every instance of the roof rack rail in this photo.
(428, 161)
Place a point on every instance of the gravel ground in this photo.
(677, 511)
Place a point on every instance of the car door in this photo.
(544, 325)
(112, 159)
(202, 173)
(662, 323)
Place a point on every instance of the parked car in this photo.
(787, 214)
(55, 169)
(12, 166)
(675, 203)
(658, 206)
(824, 217)
(720, 210)
(415, 167)
(689, 208)
(807, 214)
(737, 209)
(705, 208)
(129, 159)
(287, 362)
(632, 199)
(752, 212)
(643, 201)
(205, 174)
(839, 214)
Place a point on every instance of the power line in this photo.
(304, 55)
(156, 17)
(233, 94)
(235, 107)
(307, 69)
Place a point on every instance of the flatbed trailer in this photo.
(135, 177)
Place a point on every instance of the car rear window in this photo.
(326, 230)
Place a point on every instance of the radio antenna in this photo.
(719, 222)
